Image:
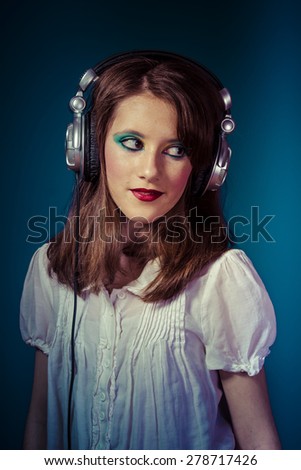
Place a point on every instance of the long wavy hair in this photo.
(183, 243)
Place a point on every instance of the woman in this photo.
(168, 319)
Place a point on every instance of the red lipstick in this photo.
(146, 195)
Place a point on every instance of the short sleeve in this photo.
(239, 321)
(37, 314)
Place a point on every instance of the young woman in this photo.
(171, 326)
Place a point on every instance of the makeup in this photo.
(128, 141)
(146, 195)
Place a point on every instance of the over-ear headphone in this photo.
(82, 154)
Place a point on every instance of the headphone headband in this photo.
(153, 54)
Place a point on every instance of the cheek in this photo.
(112, 165)
(181, 179)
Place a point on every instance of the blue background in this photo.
(254, 47)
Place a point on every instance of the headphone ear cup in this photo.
(221, 164)
(91, 155)
(200, 185)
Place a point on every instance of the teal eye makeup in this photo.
(134, 143)
(128, 142)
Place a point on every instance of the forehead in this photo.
(147, 113)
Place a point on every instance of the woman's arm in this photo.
(35, 436)
(250, 410)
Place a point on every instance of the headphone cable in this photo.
(75, 290)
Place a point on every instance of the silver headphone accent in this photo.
(223, 155)
(75, 134)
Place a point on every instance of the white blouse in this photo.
(146, 373)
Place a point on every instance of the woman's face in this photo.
(146, 165)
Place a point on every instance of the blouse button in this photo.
(102, 416)
(121, 295)
(102, 396)
(106, 363)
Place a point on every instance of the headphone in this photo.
(82, 154)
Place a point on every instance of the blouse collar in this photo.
(148, 274)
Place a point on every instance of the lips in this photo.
(146, 195)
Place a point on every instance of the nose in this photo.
(150, 166)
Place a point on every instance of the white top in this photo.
(146, 374)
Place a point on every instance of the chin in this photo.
(148, 215)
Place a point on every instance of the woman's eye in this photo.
(132, 143)
(176, 151)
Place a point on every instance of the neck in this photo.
(135, 231)
(130, 269)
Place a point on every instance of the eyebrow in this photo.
(131, 131)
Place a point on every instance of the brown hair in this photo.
(183, 245)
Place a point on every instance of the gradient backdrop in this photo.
(254, 47)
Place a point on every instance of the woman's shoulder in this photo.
(230, 261)
(233, 255)
(39, 276)
(233, 271)
(40, 254)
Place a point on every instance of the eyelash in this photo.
(164, 152)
